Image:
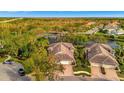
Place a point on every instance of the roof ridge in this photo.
(93, 45)
(66, 54)
(95, 56)
(104, 60)
(105, 52)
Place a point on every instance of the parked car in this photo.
(8, 62)
(21, 72)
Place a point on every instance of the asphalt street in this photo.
(10, 73)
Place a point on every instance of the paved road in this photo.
(10, 73)
(6, 21)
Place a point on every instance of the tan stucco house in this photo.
(102, 61)
(64, 54)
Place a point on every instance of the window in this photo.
(103, 70)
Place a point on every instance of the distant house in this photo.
(120, 31)
(92, 31)
(102, 60)
(64, 54)
(113, 29)
(90, 23)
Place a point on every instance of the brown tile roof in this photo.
(62, 51)
(64, 57)
(69, 45)
(103, 60)
(101, 55)
(95, 45)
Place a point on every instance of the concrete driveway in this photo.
(68, 71)
(10, 73)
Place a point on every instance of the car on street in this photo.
(21, 72)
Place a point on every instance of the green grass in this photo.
(82, 74)
(80, 68)
(99, 33)
(120, 75)
(2, 59)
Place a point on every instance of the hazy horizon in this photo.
(63, 14)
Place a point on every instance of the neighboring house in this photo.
(120, 31)
(111, 26)
(103, 62)
(92, 31)
(90, 23)
(113, 29)
(64, 54)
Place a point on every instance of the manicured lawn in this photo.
(121, 76)
(99, 33)
(80, 68)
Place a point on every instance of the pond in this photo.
(111, 43)
(53, 39)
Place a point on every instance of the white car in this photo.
(8, 62)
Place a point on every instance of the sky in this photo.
(61, 13)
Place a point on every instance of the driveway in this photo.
(68, 71)
(10, 73)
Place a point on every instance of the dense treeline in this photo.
(55, 24)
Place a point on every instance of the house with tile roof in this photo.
(64, 55)
(102, 61)
(113, 29)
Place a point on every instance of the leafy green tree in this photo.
(119, 53)
(98, 38)
(44, 65)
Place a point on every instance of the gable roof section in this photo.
(99, 54)
(68, 45)
(96, 45)
(62, 51)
